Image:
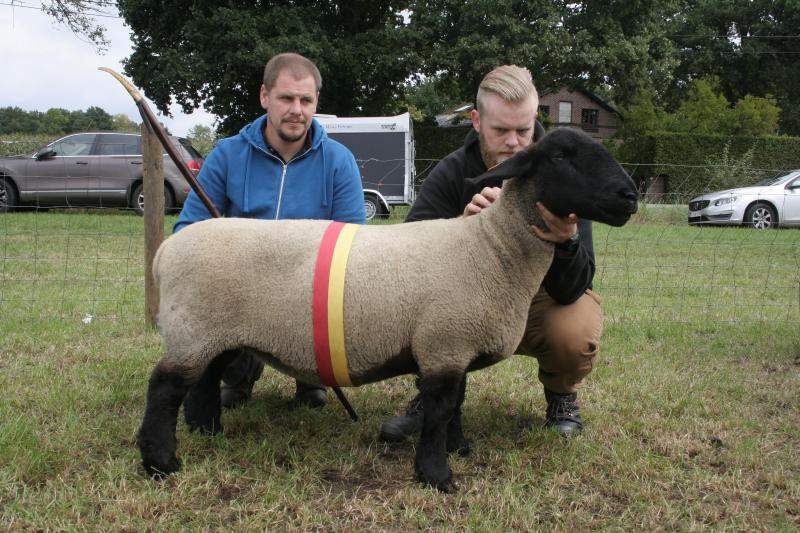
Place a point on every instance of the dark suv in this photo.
(99, 169)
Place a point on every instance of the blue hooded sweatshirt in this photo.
(245, 178)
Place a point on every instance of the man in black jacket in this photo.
(565, 320)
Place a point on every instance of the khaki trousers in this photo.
(565, 339)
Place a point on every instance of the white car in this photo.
(769, 203)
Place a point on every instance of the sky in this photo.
(45, 65)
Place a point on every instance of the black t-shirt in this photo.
(444, 194)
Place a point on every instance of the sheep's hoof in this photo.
(206, 427)
(438, 477)
(463, 449)
(458, 445)
(160, 471)
(445, 485)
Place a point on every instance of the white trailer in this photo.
(384, 150)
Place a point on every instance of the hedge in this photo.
(22, 143)
(700, 163)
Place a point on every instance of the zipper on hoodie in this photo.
(283, 177)
(283, 172)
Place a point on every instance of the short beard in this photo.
(488, 159)
(290, 138)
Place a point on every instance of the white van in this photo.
(384, 150)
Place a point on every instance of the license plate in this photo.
(694, 214)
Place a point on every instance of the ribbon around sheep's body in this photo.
(328, 304)
(155, 126)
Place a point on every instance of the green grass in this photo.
(692, 412)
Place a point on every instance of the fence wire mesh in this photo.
(87, 263)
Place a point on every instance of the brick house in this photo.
(579, 109)
(563, 107)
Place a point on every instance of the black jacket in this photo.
(444, 194)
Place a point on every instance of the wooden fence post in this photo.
(153, 166)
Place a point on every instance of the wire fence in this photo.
(86, 263)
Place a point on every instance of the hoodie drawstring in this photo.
(326, 193)
(246, 188)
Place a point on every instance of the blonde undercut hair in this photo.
(510, 82)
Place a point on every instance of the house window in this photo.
(565, 112)
(589, 119)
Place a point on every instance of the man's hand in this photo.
(481, 201)
(558, 229)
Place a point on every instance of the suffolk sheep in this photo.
(301, 295)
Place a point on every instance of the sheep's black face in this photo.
(575, 174)
(580, 176)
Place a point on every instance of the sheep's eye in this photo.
(557, 156)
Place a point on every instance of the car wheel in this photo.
(761, 216)
(372, 207)
(137, 200)
(8, 196)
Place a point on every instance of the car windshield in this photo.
(775, 180)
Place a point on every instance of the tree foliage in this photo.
(202, 138)
(384, 56)
(705, 111)
(80, 16)
(204, 53)
(752, 46)
(58, 121)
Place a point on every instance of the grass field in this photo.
(692, 413)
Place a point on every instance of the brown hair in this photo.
(297, 66)
(509, 82)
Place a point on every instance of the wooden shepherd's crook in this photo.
(155, 126)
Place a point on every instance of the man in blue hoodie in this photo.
(282, 166)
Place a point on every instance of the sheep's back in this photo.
(238, 283)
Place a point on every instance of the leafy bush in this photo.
(22, 143)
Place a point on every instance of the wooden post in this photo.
(153, 166)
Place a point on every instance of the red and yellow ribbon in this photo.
(327, 313)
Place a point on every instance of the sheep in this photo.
(460, 288)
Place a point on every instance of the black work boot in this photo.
(401, 427)
(238, 379)
(563, 414)
(310, 395)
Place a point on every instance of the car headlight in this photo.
(724, 201)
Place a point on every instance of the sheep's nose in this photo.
(631, 196)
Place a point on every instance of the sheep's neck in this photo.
(520, 199)
(513, 215)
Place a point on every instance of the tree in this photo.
(204, 53)
(94, 118)
(79, 17)
(121, 122)
(609, 47)
(55, 120)
(430, 98)
(750, 45)
(462, 40)
(202, 138)
(756, 116)
(706, 111)
(643, 115)
(17, 120)
(617, 49)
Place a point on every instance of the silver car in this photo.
(101, 169)
(769, 203)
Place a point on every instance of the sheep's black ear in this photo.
(519, 165)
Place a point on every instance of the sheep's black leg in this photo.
(201, 408)
(439, 398)
(156, 439)
(456, 442)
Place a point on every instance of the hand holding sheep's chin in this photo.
(482, 200)
(559, 229)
